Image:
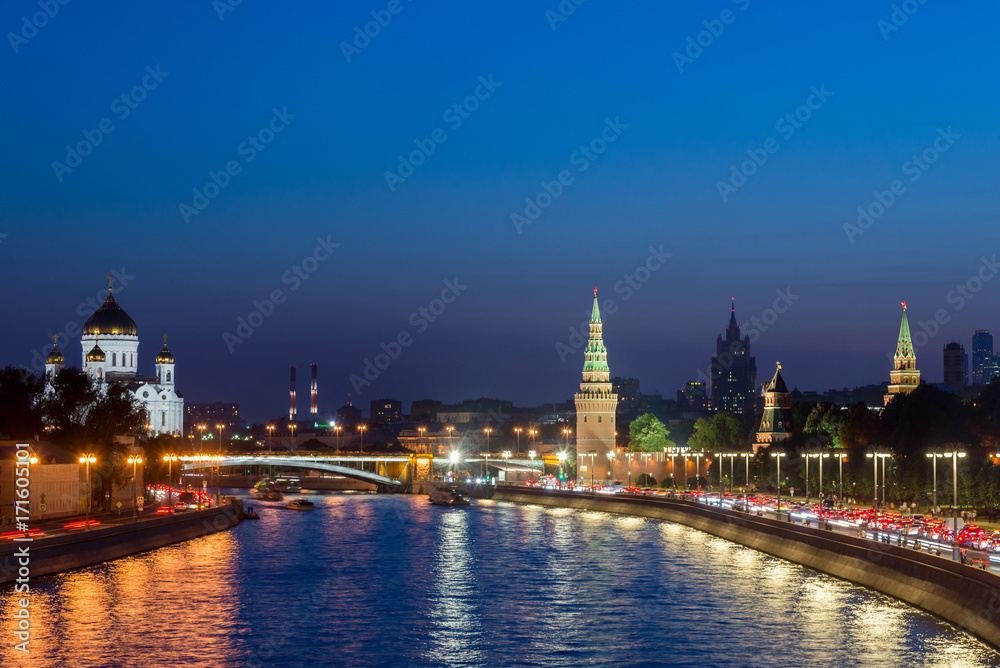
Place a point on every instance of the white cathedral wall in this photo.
(125, 349)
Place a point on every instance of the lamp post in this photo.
(135, 461)
(566, 433)
(592, 454)
(517, 430)
(423, 431)
(453, 458)
(221, 427)
(291, 430)
(840, 462)
(270, 437)
(697, 469)
(488, 431)
(874, 458)
(531, 456)
(777, 457)
(337, 429)
(88, 459)
(746, 457)
(170, 459)
(361, 428)
(954, 498)
(821, 456)
(561, 456)
(611, 466)
(506, 464)
(685, 471)
(806, 456)
(629, 455)
(933, 456)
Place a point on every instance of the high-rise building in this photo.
(627, 390)
(956, 364)
(904, 376)
(982, 351)
(776, 422)
(386, 411)
(693, 397)
(991, 369)
(734, 372)
(596, 401)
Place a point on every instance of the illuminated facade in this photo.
(776, 422)
(734, 373)
(110, 351)
(904, 377)
(596, 401)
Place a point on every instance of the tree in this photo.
(648, 434)
(719, 432)
(20, 389)
(859, 428)
(65, 407)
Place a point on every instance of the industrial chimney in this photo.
(313, 391)
(291, 397)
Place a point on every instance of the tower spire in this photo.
(904, 377)
(111, 278)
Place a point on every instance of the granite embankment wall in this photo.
(965, 596)
(48, 555)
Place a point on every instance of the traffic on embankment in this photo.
(967, 597)
(79, 544)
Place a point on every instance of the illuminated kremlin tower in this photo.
(904, 376)
(595, 402)
(776, 422)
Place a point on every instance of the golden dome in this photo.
(96, 354)
(165, 356)
(54, 357)
(110, 319)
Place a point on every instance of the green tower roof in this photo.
(904, 347)
(596, 355)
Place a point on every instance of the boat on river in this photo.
(448, 495)
(301, 504)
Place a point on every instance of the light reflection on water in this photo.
(394, 581)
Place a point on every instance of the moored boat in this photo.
(301, 504)
(445, 495)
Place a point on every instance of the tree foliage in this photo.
(19, 391)
(648, 434)
(720, 432)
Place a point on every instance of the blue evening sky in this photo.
(678, 125)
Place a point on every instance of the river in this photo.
(369, 580)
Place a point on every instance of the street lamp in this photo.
(531, 456)
(488, 431)
(566, 433)
(88, 459)
(592, 454)
(220, 427)
(361, 428)
(135, 461)
(747, 456)
(506, 464)
(777, 457)
(291, 430)
(561, 456)
(337, 428)
(697, 469)
(532, 433)
(611, 466)
(517, 430)
(821, 456)
(270, 437)
(423, 431)
(629, 455)
(170, 459)
(875, 456)
(453, 458)
(840, 461)
(954, 499)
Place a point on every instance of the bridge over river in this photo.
(403, 473)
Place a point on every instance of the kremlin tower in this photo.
(904, 376)
(595, 402)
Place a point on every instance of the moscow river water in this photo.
(393, 581)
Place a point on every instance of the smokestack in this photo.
(313, 391)
(291, 397)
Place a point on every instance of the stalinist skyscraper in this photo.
(904, 376)
(595, 402)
